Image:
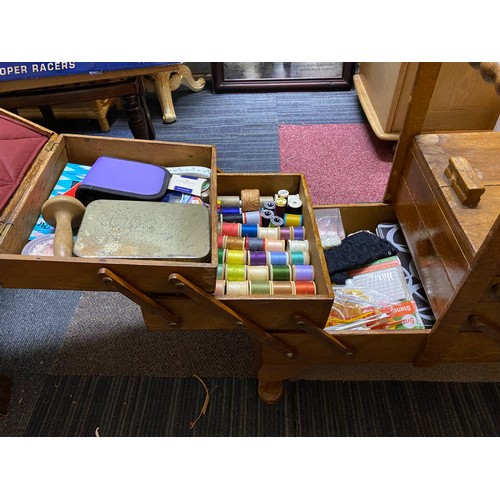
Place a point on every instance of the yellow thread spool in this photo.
(236, 257)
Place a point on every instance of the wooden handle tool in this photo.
(65, 213)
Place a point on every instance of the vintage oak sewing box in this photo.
(451, 226)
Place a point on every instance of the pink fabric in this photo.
(19, 146)
(343, 163)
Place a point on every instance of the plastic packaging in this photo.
(330, 227)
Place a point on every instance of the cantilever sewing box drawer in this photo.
(447, 203)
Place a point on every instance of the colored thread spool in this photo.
(220, 241)
(237, 288)
(220, 287)
(281, 273)
(277, 259)
(280, 207)
(276, 221)
(234, 242)
(236, 272)
(236, 257)
(299, 258)
(270, 205)
(232, 218)
(298, 246)
(285, 233)
(258, 273)
(283, 193)
(283, 288)
(266, 216)
(303, 273)
(255, 244)
(261, 288)
(250, 200)
(252, 217)
(294, 206)
(292, 220)
(221, 257)
(305, 288)
(275, 245)
(231, 229)
(220, 271)
(268, 233)
(250, 230)
(298, 233)
(230, 210)
(257, 258)
(229, 201)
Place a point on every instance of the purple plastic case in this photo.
(119, 179)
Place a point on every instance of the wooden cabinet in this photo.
(462, 100)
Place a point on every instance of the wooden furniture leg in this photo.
(272, 380)
(167, 81)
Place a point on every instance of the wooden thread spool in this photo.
(65, 213)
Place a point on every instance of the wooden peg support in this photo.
(197, 294)
(120, 285)
(308, 326)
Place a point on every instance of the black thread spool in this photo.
(294, 206)
(266, 217)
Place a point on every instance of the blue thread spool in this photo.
(249, 230)
(277, 258)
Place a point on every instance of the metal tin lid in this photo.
(144, 230)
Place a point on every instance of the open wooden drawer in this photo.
(456, 250)
(19, 216)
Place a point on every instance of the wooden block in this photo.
(464, 181)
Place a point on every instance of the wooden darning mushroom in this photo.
(65, 213)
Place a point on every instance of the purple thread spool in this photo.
(257, 258)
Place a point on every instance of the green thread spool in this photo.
(221, 255)
(281, 273)
(260, 288)
(235, 272)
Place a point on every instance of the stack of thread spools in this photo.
(263, 248)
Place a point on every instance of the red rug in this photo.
(343, 163)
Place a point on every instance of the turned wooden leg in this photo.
(271, 392)
(137, 118)
(272, 377)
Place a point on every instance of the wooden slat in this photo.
(423, 88)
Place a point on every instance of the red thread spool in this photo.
(305, 288)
